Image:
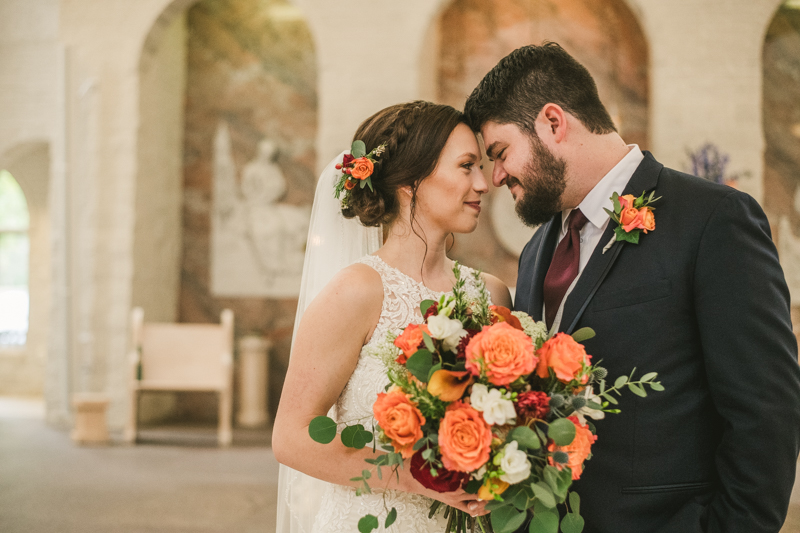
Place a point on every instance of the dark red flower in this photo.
(347, 159)
(444, 481)
(532, 404)
(432, 310)
(462, 346)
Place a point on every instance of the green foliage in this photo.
(356, 436)
(545, 520)
(562, 431)
(425, 305)
(367, 523)
(420, 364)
(544, 494)
(525, 437)
(572, 523)
(390, 518)
(507, 519)
(583, 334)
(322, 429)
(358, 149)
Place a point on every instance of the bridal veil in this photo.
(334, 242)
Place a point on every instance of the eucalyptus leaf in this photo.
(425, 305)
(572, 523)
(322, 429)
(350, 436)
(562, 431)
(649, 376)
(637, 390)
(655, 385)
(544, 521)
(544, 494)
(495, 505)
(358, 149)
(525, 437)
(575, 502)
(622, 380)
(615, 200)
(390, 518)
(428, 342)
(507, 519)
(583, 334)
(367, 523)
(610, 398)
(420, 364)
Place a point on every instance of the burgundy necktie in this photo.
(564, 267)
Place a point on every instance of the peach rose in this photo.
(409, 341)
(464, 438)
(349, 184)
(400, 420)
(566, 357)
(578, 451)
(503, 352)
(627, 201)
(362, 168)
(503, 314)
(648, 219)
(627, 216)
(449, 386)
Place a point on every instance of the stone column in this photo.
(253, 381)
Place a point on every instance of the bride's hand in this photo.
(463, 501)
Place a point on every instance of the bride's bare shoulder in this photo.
(357, 285)
(497, 289)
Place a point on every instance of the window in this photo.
(14, 253)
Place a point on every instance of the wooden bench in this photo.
(182, 357)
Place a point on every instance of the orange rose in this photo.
(648, 219)
(578, 451)
(409, 341)
(503, 352)
(492, 487)
(627, 201)
(349, 184)
(362, 168)
(400, 420)
(503, 314)
(566, 357)
(449, 386)
(465, 439)
(627, 216)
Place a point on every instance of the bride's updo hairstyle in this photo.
(415, 134)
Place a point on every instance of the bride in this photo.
(427, 184)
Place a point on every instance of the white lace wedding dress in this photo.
(341, 509)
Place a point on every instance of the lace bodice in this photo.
(341, 508)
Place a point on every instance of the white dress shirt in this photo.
(592, 207)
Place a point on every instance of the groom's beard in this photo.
(543, 184)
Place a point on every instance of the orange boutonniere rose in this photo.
(634, 216)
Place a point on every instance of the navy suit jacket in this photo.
(701, 300)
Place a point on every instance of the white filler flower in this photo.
(514, 464)
(496, 409)
(447, 330)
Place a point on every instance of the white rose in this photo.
(514, 464)
(496, 409)
(447, 330)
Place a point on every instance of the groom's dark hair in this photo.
(519, 86)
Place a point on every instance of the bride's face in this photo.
(450, 198)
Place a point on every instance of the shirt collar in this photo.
(600, 196)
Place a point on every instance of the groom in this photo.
(701, 300)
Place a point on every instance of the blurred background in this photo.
(162, 155)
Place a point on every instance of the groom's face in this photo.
(535, 176)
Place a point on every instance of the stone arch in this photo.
(781, 124)
(605, 36)
(22, 372)
(251, 66)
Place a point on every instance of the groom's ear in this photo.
(552, 122)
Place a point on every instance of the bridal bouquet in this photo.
(481, 398)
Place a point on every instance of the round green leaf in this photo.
(562, 431)
(358, 149)
(544, 520)
(367, 523)
(575, 502)
(622, 380)
(544, 494)
(322, 429)
(350, 436)
(507, 519)
(526, 438)
(572, 523)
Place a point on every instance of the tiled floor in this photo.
(174, 481)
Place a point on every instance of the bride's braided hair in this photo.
(415, 134)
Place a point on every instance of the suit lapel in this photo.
(544, 256)
(644, 178)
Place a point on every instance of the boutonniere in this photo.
(633, 216)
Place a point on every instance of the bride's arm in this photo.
(331, 333)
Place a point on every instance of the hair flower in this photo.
(357, 168)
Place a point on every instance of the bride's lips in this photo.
(475, 205)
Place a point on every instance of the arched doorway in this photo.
(226, 155)
(24, 268)
(473, 35)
